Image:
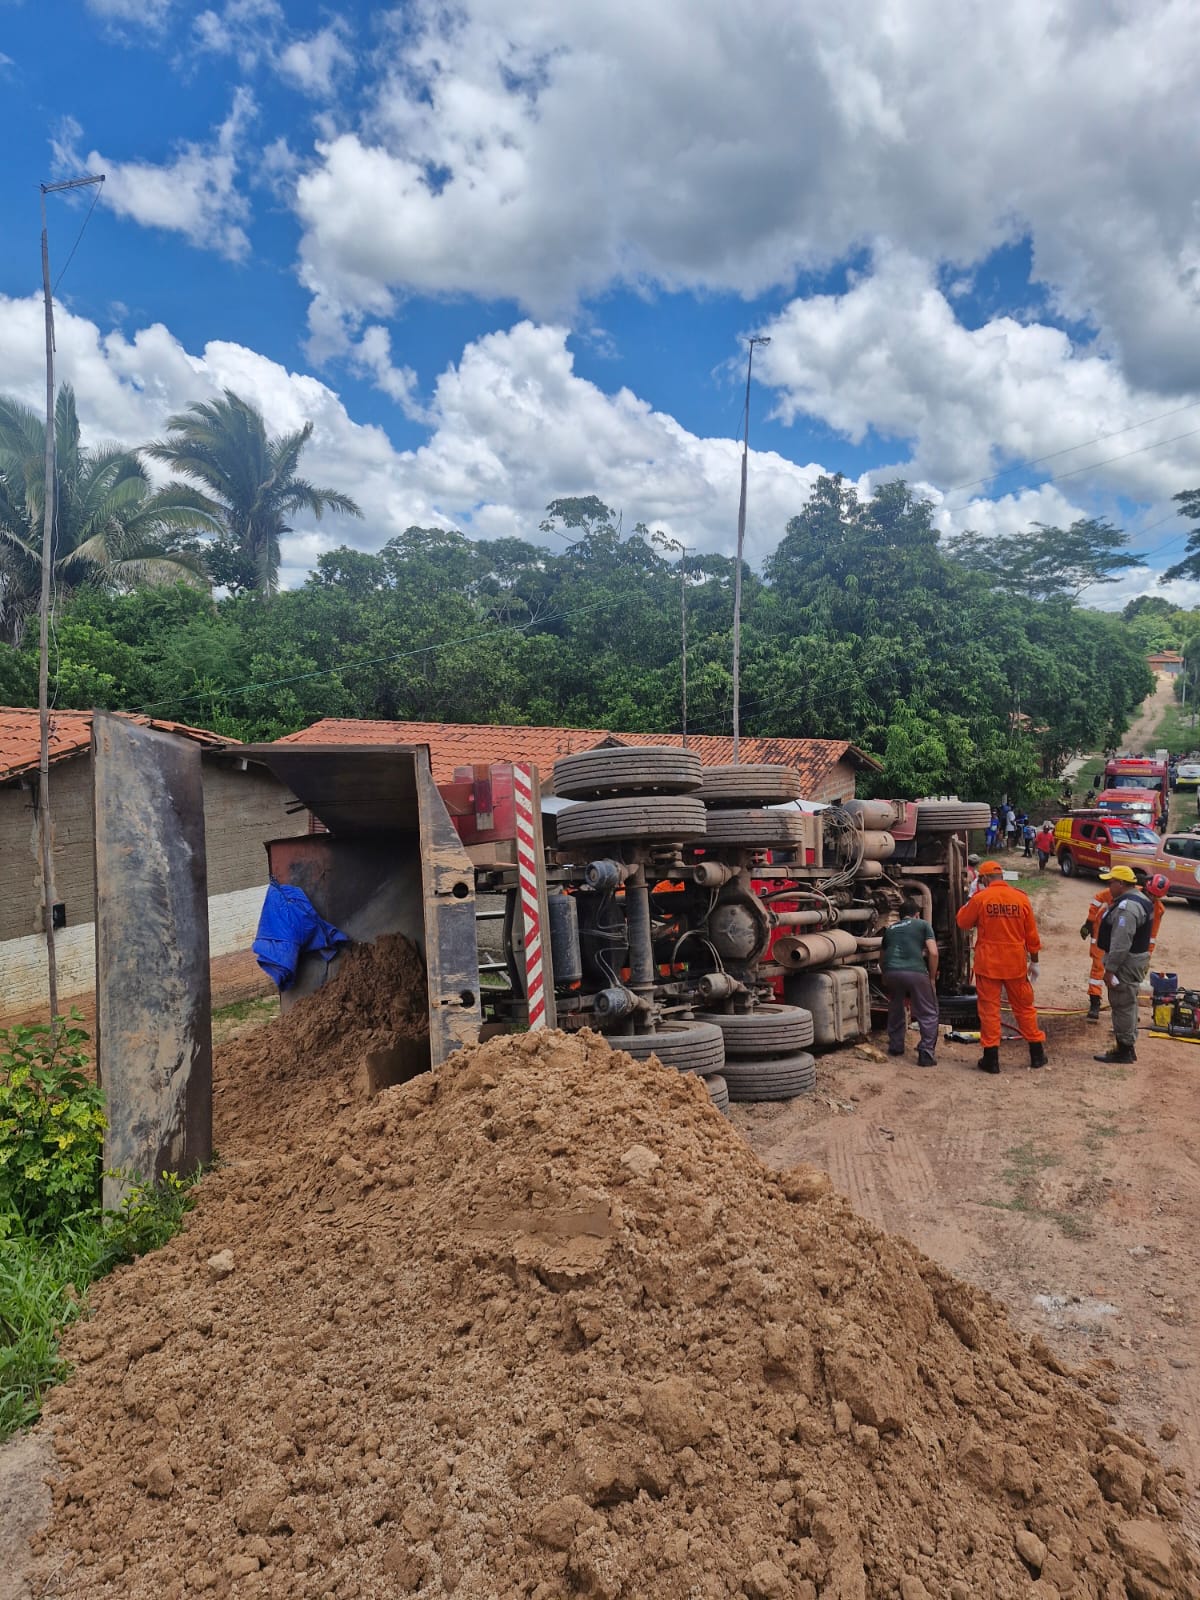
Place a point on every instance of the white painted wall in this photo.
(232, 922)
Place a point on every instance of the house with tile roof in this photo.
(244, 806)
(1168, 661)
(828, 768)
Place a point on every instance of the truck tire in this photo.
(756, 830)
(669, 818)
(781, 1079)
(686, 1046)
(769, 1030)
(1066, 864)
(756, 784)
(951, 816)
(592, 774)
(718, 1091)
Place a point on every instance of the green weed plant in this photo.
(51, 1126)
(55, 1237)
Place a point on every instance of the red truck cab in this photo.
(1145, 806)
(1138, 772)
(1088, 841)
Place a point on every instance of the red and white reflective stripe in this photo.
(527, 873)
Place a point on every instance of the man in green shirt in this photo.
(910, 969)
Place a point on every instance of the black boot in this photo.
(989, 1061)
(1037, 1054)
(1121, 1055)
(1093, 1008)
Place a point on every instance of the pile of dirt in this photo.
(278, 1083)
(540, 1323)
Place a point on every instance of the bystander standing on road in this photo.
(972, 874)
(1006, 951)
(910, 968)
(1124, 936)
(1011, 829)
(1028, 834)
(1043, 843)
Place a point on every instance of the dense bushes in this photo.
(55, 1239)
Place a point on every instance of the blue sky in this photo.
(503, 253)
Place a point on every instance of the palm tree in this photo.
(250, 483)
(111, 525)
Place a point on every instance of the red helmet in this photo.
(1158, 885)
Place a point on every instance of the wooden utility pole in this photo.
(49, 514)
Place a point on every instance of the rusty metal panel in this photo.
(352, 789)
(153, 1003)
(451, 941)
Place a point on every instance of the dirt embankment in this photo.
(540, 1323)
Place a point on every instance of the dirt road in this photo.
(1073, 1194)
(1142, 734)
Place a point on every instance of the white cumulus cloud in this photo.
(546, 152)
(247, 30)
(147, 13)
(314, 64)
(890, 356)
(511, 427)
(195, 193)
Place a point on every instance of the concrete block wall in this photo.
(232, 920)
(74, 862)
(243, 808)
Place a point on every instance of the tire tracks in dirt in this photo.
(1072, 1194)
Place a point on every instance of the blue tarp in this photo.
(288, 927)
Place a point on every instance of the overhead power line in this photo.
(98, 182)
(1094, 466)
(1023, 466)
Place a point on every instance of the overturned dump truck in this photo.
(707, 916)
(699, 914)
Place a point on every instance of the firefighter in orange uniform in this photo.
(1006, 951)
(1157, 889)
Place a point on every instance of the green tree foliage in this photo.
(937, 666)
(112, 527)
(862, 627)
(1189, 566)
(1047, 563)
(250, 486)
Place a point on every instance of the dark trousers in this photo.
(917, 990)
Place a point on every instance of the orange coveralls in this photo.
(1100, 903)
(1006, 936)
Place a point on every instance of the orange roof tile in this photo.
(70, 733)
(458, 744)
(814, 759)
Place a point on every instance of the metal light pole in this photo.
(763, 339)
